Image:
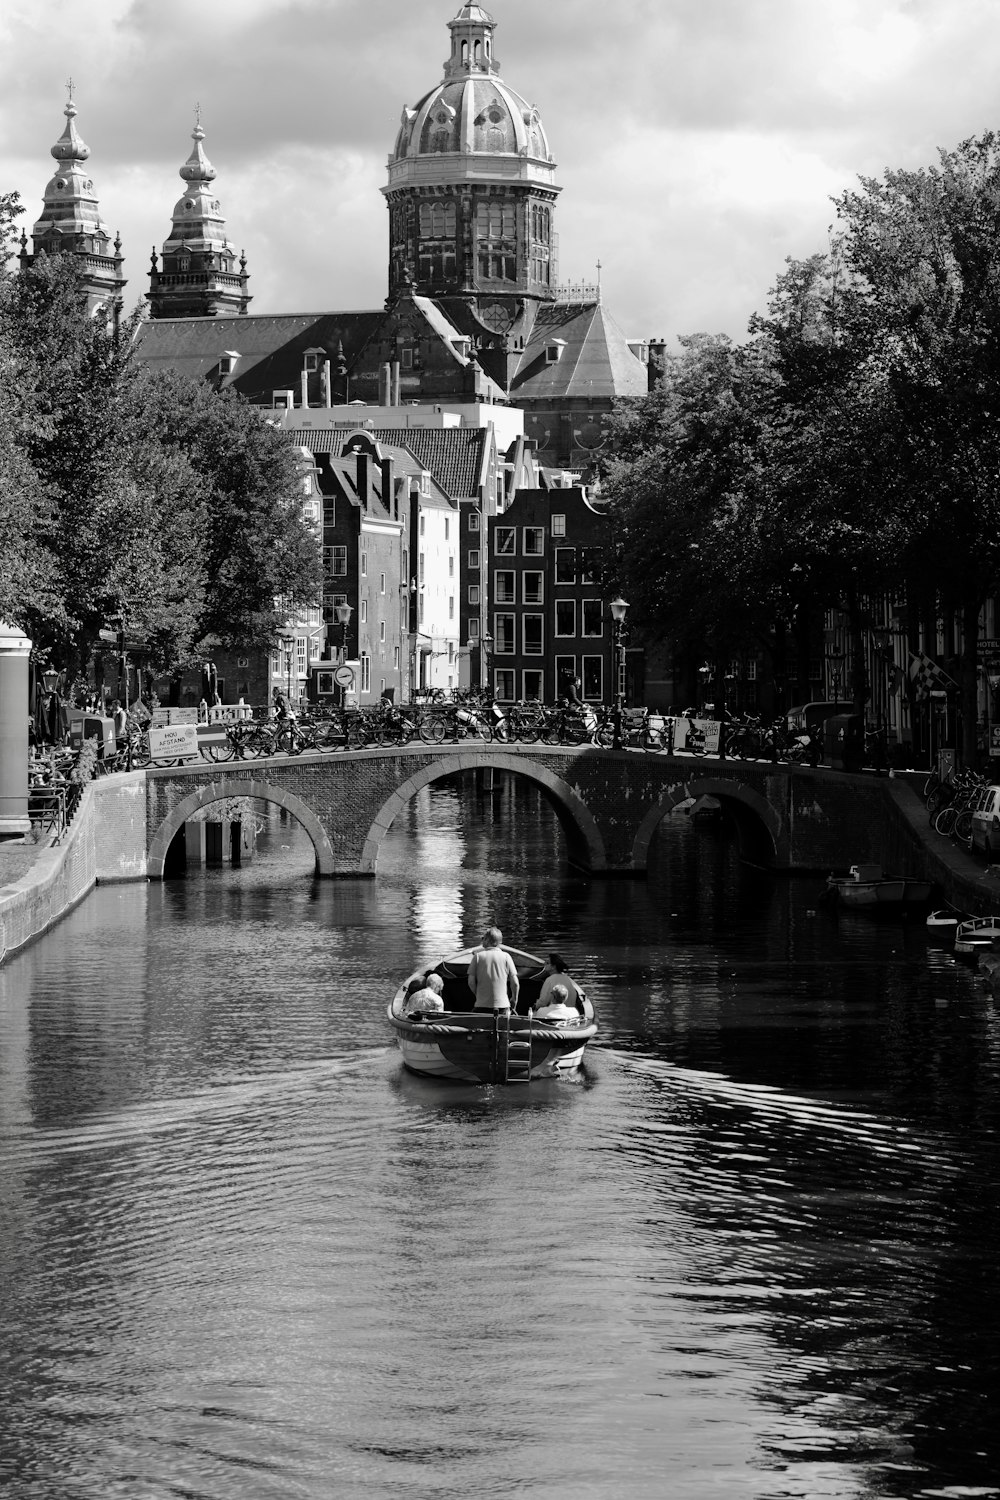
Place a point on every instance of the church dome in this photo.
(472, 110)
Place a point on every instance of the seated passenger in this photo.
(558, 1011)
(560, 975)
(427, 999)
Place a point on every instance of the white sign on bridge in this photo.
(174, 742)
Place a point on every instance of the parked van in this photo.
(986, 821)
(804, 714)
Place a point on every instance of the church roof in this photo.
(269, 349)
(456, 457)
(593, 358)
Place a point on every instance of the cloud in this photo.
(699, 142)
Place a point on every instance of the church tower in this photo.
(200, 276)
(472, 193)
(71, 224)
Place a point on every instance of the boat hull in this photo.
(474, 1057)
(484, 1046)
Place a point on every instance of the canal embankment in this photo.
(106, 842)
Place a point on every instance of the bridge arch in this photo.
(758, 825)
(216, 791)
(586, 844)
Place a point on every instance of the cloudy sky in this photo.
(699, 141)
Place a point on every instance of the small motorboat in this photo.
(867, 886)
(488, 1046)
(943, 924)
(976, 935)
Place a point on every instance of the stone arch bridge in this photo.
(610, 803)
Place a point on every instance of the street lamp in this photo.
(288, 643)
(487, 645)
(343, 613)
(618, 611)
(837, 659)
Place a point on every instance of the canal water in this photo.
(751, 1251)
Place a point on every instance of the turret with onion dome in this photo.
(71, 223)
(472, 189)
(201, 275)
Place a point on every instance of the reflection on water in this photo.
(751, 1251)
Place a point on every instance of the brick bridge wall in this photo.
(610, 803)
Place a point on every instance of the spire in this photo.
(201, 276)
(71, 223)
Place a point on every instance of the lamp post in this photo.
(343, 613)
(837, 659)
(618, 611)
(288, 644)
(487, 645)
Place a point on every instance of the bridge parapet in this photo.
(610, 803)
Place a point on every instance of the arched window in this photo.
(479, 54)
(465, 54)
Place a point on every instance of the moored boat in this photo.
(943, 923)
(976, 936)
(488, 1046)
(867, 886)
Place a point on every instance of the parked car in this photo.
(804, 714)
(986, 821)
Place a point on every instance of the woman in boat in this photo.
(492, 974)
(559, 975)
(428, 998)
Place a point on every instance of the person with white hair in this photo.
(557, 1011)
(428, 998)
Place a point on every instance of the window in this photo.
(558, 525)
(503, 635)
(381, 630)
(451, 652)
(420, 610)
(593, 678)
(590, 563)
(503, 539)
(275, 664)
(366, 672)
(473, 630)
(565, 565)
(592, 612)
(531, 688)
(533, 635)
(473, 520)
(473, 593)
(451, 564)
(534, 541)
(364, 564)
(565, 667)
(451, 606)
(407, 359)
(531, 588)
(364, 611)
(565, 617)
(446, 528)
(437, 220)
(381, 583)
(335, 561)
(395, 658)
(420, 567)
(503, 685)
(504, 589)
(423, 525)
(473, 557)
(313, 648)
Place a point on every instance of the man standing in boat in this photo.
(492, 974)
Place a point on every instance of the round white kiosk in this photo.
(14, 711)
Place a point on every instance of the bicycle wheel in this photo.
(552, 733)
(963, 825)
(944, 821)
(653, 741)
(432, 730)
(502, 731)
(604, 735)
(930, 785)
(749, 747)
(219, 750)
(140, 752)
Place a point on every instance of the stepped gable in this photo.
(594, 359)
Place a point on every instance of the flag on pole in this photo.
(926, 674)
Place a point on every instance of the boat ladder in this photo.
(513, 1051)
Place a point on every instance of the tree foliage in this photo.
(133, 493)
